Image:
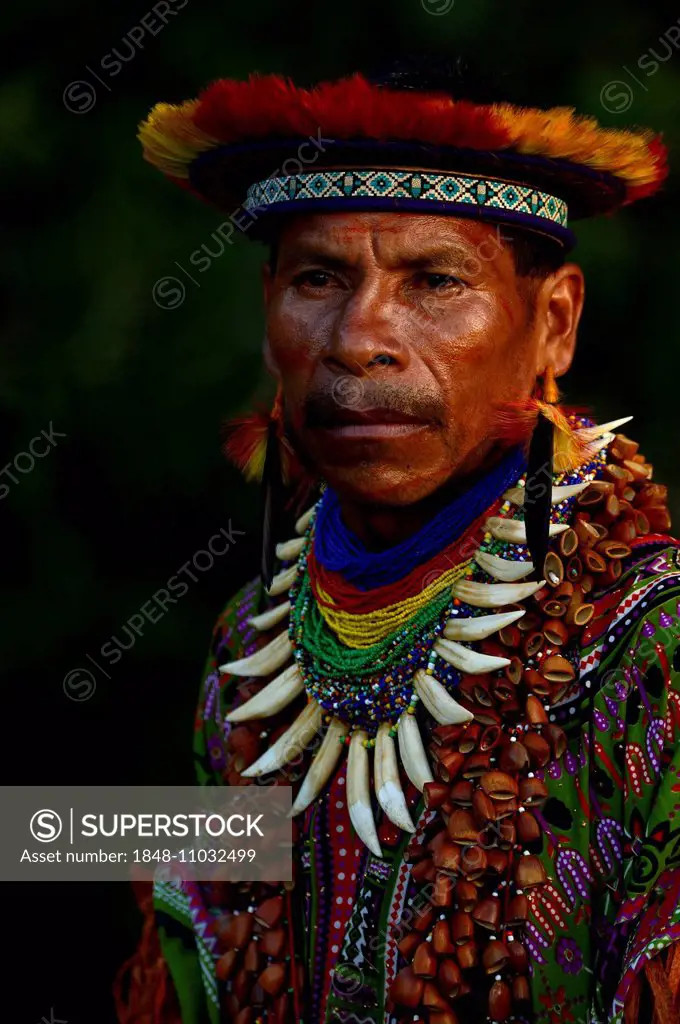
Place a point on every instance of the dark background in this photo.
(138, 484)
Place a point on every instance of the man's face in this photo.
(396, 337)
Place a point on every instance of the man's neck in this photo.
(383, 526)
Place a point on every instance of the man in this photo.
(466, 662)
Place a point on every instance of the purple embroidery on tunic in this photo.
(654, 743)
(648, 629)
(665, 620)
(608, 834)
(570, 762)
(601, 721)
(574, 874)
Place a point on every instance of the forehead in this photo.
(393, 238)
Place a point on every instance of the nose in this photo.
(365, 338)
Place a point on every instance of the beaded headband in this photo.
(415, 191)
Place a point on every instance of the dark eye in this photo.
(441, 282)
(313, 278)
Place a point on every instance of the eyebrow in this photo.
(446, 255)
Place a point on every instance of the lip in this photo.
(368, 430)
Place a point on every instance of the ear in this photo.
(559, 304)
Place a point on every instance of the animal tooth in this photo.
(467, 660)
(304, 520)
(591, 433)
(290, 548)
(493, 595)
(283, 581)
(412, 751)
(269, 618)
(321, 767)
(387, 782)
(291, 743)
(598, 445)
(559, 494)
(515, 531)
(270, 657)
(438, 701)
(359, 793)
(480, 626)
(503, 569)
(272, 698)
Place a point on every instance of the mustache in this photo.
(322, 404)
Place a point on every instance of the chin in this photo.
(385, 482)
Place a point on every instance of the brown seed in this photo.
(659, 519)
(270, 912)
(519, 958)
(507, 835)
(251, 960)
(612, 548)
(528, 828)
(466, 895)
(239, 931)
(558, 739)
(273, 942)
(487, 913)
(483, 807)
(407, 989)
(556, 632)
(504, 808)
(624, 531)
(224, 968)
(425, 961)
(442, 894)
(574, 569)
(495, 956)
(469, 739)
(499, 785)
(504, 691)
(435, 793)
(587, 536)
(500, 1001)
(449, 978)
(443, 735)
(532, 792)
(623, 448)
(612, 572)
(593, 561)
(584, 614)
(521, 992)
(553, 569)
(554, 609)
(449, 764)
(518, 910)
(486, 716)
(557, 669)
(467, 955)
(461, 793)
(432, 997)
(490, 738)
(568, 543)
(273, 978)
(529, 872)
(641, 523)
(535, 711)
(640, 470)
(497, 862)
(513, 671)
(532, 643)
(529, 622)
(536, 682)
(538, 748)
(447, 856)
(281, 1009)
(513, 757)
(462, 927)
(442, 942)
(510, 636)
(462, 828)
(408, 945)
(423, 870)
(424, 918)
(473, 862)
(476, 765)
